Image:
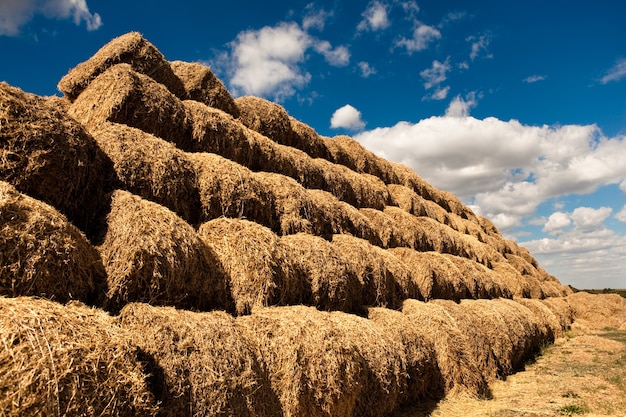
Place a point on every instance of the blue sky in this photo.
(519, 108)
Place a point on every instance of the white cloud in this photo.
(268, 61)
(621, 216)
(15, 13)
(375, 17)
(436, 74)
(479, 45)
(557, 222)
(588, 219)
(534, 78)
(366, 69)
(616, 73)
(315, 19)
(347, 117)
(459, 107)
(440, 93)
(423, 35)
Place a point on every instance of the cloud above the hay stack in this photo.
(16, 13)
(347, 117)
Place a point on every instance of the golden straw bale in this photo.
(42, 254)
(410, 179)
(307, 140)
(425, 233)
(488, 227)
(562, 310)
(49, 156)
(424, 380)
(327, 363)
(269, 119)
(152, 255)
(598, 311)
(347, 151)
(258, 268)
(330, 216)
(202, 85)
(67, 361)
(229, 189)
(554, 289)
(481, 281)
(459, 372)
(520, 286)
(512, 329)
(549, 323)
(131, 49)
(202, 365)
(121, 95)
(331, 282)
(151, 168)
(385, 280)
(392, 234)
(523, 266)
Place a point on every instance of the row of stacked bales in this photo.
(150, 193)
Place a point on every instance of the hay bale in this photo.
(202, 363)
(330, 216)
(121, 95)
(488, 227)
(437, 276)
(306, 139)
(511, 329)
(131, 49)
(392, 234)
(423, 377)
(562, 310)
(257, 265)
(598, 311)
(43, 254)
(202, 85)
(481, 281)
(331, 284)
(327, 364)
(67, 360)
(384, 279)
(549, 324)
(459, 371)
(269, 119)
(152, 255)
(519, 286)
(151, 168)
(49, 156)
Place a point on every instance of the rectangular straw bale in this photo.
(121, 95)
(549, 324)
(330, 216)
(151, 168)
(408, 178)
(43, 254)
(68, 361)
(481, 281)
(391, 233)
(307, 140)
(267, 118)
(554, 289)
(152, 255)
(131, 49)
(258, 268)
(331, 282)
(385, 280)
(327, 364)
(598, 311)
(460, 372)
(202, 85)
(200, 363)
(562, 309)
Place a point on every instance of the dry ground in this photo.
(583, 373)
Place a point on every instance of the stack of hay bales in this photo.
(255, 268)
(598, 311)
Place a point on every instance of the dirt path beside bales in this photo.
(583, 374)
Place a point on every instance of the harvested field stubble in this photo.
(152, 255)
(42, 254)
(67, 361)
(49, 156)
(327, 364)
(201, 363)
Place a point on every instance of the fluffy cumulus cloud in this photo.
(15, 13)
(436, 74)
(375, 17)
(423, 36)
(347, 117)
(269, 62)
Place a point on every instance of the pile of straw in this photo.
(67, 361)
(562, 310)
(259, 271)
(130, 48)
(151, 168)
(121, 95)
(49, 156)
(331, 284)
(327, 364)
(598, 310)
(306, 139)
(203, 86)
(269, 119)
(549, 324)
(384, 279)
(43, 254)
(200, 364)
(152, 255)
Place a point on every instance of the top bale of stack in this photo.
(130, 48)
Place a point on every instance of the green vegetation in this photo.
(570, 410)
(621, 292)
